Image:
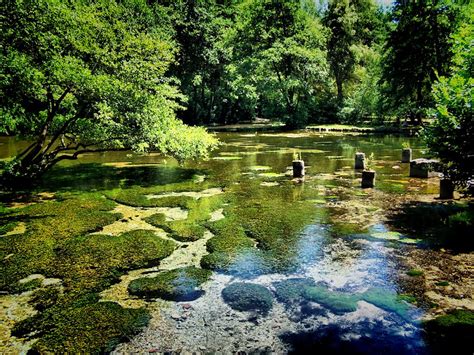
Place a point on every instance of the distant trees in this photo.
(213, 61)
(417, 50)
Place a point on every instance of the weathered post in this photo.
(406, 155)
(446, 189)
(298, 168)
(424, 168)
(359, 161)
(368, 179)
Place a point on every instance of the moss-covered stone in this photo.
(177, 285)
(248, 297)
(388, 301)
(82, 326)
(336, 302)
(292, 290)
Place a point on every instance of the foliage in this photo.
(176, 285)
(416, 51)
(83, 77)
(451, 135)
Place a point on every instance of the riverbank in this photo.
(323, 128)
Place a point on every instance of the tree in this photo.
(340, 18)
(417, 51)
(451, 135)
(87, 77)
(279, 49)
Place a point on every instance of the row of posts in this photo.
(420, 168)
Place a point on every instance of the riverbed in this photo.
(335, 267)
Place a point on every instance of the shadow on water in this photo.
(333, 339)
(98, 177)
(439, 224)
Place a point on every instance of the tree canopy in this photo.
(90, 76)
(83, 76)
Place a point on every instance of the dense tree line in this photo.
(126, 74)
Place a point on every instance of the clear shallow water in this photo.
(333, 248)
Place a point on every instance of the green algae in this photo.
(50, 226)
(260, 217)
(248, 297)
(229, 240)
(180, 284)
(388, 301)
(442, 283)
(82, 326)
(193, 227)
(415, 272)
(336, 302)
(57, 244)
(230, 157)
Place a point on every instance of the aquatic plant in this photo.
(248, 297)
(177, 285)
(388, 301)
(336, 302)
(82, 326)
(414, 272)
(192, 228)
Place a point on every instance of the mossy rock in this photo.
(248, 297)
(83, 326)
(176, 285)
(451, 333)
(292, 290)
(336, 302)
(388, 301)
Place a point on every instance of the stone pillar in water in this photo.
(424, 168)
(298, 168)
(368, 178)
(359, 161)
(406, 155)
(446, 189)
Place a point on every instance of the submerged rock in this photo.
(292, 290)
(336, 302)
(424, 168)
(248, 297)
(180, 284)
